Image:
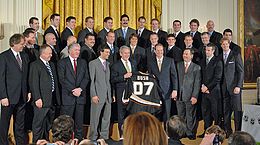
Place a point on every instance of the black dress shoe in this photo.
(192, 137)
(201, 136)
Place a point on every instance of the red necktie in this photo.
(75, 65)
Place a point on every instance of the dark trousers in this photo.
(77, 113)
(166, 110)
(18, 112)
(121, 109)
(188, 112)
(210, 110)
(42, 122)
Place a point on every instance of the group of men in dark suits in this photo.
(190, 68)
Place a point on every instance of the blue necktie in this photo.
(124, 32)
(112, 49)
(52, 78)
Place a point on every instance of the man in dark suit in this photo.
(234, 47)
(172, 50)
(188, 41)
(89, 22)
(137, 53)
(73, 77)
(55, 22)
(143, 33)
(149, 51)
(114, 52)
(212, 69)
(14, 89)
(161, 34)
(100, 96)
(44, 86)
(196, 35)
(121, 71)
(215, 36)
(123, 33)
(165, 71)
(86, 52)
(231, 86)
(108, 25)
(51, 41)
(189, 87)
(179, 36)
(34, 23)
(68, 31)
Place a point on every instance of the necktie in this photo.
(139, 33)
(19, 60)
(104, 66)
(207, 61)
(133, 50)
(160, 64)
(225, 58)
(36, 38)
(112, 49)
(186, 67)
(50, 73)
(75, 66)
(124, 32)
(127, 67)
(58, 34)
(191, 34)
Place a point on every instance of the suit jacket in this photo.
(180, 41)
(33, 53)
(39, 39)
(13, 80)
(58, 46)
(215, 38)
(197, 42)
(55, 56)
(120, 40)
(87, 53)
(69, 81)
(101, 37)
(100, 81)
(41, 86)
(167, 77)
(82, 34)
(144, 39)
(212, 75)
(113, 57)
(64, 36)
(235, 48)
(202, 54)
(233, 72)
(139, 57)
(189, 83)
(175, 53)
(162, 37)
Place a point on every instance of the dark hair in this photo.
(110, 32)
(133, 35)
(142, 17)
(15, 39)
(89, 17)
(102, 48)
(204, 33)
(54, 15)
(195, 21)
(43, 47)
(28, 31)
(107, 18)
(187, 35)
(31, 20)
(213, 46)
(190, 49)
(88, 35)
(153, 33)
(227, 30)
(154, 19)
(171, 35)
(178, 21)
(62, 128)
(241, 138)
(157, 45)
(69, 18)
(176, 127)
(123, 16)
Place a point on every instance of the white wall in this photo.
(223, 12)
(15, 15)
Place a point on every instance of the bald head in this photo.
(210, 25)
(71, 39)
(50, 39)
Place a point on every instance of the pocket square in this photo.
(231, 62)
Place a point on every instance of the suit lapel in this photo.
(68, 63)
(11, 55)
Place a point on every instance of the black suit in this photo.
(144, 39)
(197, 42)
(33, 53)
(235, 48)
(73, 105)
(215, 38)
(174, 142)
(82, 34)
(180, 40)
(101, 37)
(41, 87)
(117, 79)
(14, 87)
(162, 37)
(58, 46)
(87, 53)
(168, 81)
(139, 57)
(55, 56)
(114, 55)
(211, 102)
(202, 54)
(233, 76)
(175, 53)
(64, 36)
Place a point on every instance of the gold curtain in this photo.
(99, 9)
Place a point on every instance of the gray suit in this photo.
(100, 86)
(189, 86)
(120, 40)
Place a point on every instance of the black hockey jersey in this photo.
(142, 93)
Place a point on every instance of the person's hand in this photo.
(41, 142)
(38, 103)
(174, 95)
(127, 75)
(77, 92)
(236, 90)
(203, 88)
(95, 99)
(208, 139)
(102, 142)
(5, 102)
(193, 100)
(59, 143)
(75, 141)
(29, 96)
(114, 99)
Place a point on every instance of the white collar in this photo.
(54, 28)
(161, 59)
(44, 61)
(15, 53)
(102, 60)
